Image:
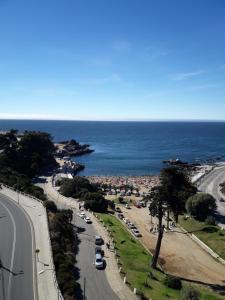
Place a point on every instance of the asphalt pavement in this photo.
(211, 184)
(93, 282)
(16, 274)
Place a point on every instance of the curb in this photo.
(203, 245)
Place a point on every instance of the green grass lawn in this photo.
(135, 263)
(211, 235)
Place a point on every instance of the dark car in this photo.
(98, 240)
(98, 250)
(118, 209)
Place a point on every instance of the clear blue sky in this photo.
(112, 59)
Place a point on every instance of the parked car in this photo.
(127, 206)
(99, 263)
(131, 226)
(142, 203)
(222, 200)
(136, 232)
(137, 205)
(126, 221)
(82, 215)
(118, 209)
(98, 240)
(121, 216)
(87, 220)
(98, 250)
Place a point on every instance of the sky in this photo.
(112, 59)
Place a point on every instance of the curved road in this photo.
(211, 184)
(93, 283)
(16, 275)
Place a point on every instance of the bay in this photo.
(133, 148)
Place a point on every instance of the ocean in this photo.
(133, 148)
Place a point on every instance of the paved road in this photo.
(97, 286)
(210, 184)
(15, 253)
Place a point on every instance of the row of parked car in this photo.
(129, 224)
(99, 253)
(87, 219)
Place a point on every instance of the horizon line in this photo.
(111, 120)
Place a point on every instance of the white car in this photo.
(99, 263)
(136, 232)
(82, 215)
(127, 206)
(87, 220)
(126, 221)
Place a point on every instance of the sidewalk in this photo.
(112, 271)
(43, 262)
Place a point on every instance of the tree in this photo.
(50, 206)
(76, 187)
(95, 202)
(179, 189)
(201, 205)
(170, 195)
(157, 208)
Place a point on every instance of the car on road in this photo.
(99, 251)
(99, 263)
(98, 240)
(82, 215)
(222, 200)
(137, 205)
(136, 232)
(87, 220)
(127, 206)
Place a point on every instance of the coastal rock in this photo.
(72, 148)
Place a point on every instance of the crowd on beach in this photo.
(140, 183)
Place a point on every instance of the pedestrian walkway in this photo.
(43, 262)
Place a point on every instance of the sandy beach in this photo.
(142, 184)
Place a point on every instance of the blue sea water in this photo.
(133, 148)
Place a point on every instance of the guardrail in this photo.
(60, 296)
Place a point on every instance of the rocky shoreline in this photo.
(72, 148)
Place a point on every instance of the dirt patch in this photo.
(179, 255)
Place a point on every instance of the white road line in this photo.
(13, 249)
(35, 289)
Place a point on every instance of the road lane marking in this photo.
(28, 218)
(13, 249)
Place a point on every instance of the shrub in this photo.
(50, 206)
(95, 202)
(210, 220)
(111, 204)
(120, 199)
(76, 187)
(201, 205)
(173, 282)
(190, 293)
